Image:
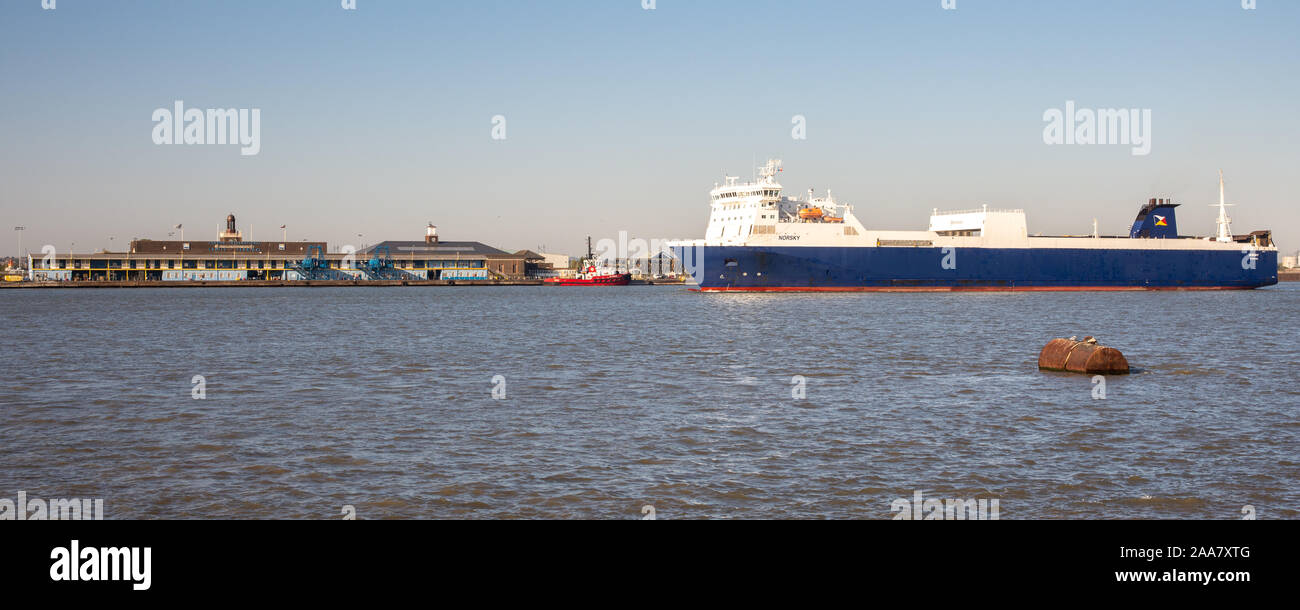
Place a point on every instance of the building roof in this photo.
(211, 248)
(442, 248)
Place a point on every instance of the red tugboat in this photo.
(592, 273)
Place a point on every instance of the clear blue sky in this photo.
(377, 120)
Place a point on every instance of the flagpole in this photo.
(181, 228)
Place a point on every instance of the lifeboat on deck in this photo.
(810, 214)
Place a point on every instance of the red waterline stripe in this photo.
(964, 288)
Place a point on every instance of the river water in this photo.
(543, 402)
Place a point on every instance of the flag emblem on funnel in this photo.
(1160, 221)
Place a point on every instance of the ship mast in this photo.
(1225, 226)
(768, 172)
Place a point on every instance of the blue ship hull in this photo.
(750, 268)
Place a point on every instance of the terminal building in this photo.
(230, 258)
(447, 260)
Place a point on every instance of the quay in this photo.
(293, 283)
(260, 283)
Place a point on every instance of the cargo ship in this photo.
(759, 239)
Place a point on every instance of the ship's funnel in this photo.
(1156, 219)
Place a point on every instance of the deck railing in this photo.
(974, 211)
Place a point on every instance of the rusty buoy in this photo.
(1084, 356)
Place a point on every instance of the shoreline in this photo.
(287, 283)
(1288, 276)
